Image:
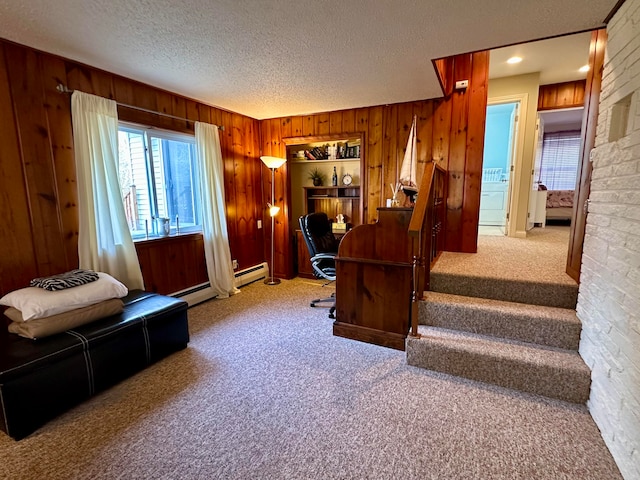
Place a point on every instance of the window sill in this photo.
(169, 238)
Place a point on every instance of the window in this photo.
(159, 180)
(559, 164)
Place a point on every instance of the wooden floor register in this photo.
(373, 285)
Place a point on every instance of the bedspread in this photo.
(559, 198)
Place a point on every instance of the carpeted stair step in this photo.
(547, 371)
(561, 295)
(551, 326)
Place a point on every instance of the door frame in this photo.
(517, 154)
(593, 88)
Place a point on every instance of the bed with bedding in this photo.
(559, 205)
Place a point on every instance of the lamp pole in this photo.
(272, 280)
(273, 163)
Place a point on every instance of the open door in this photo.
(536, 205)
(589, 123)
(497, 166)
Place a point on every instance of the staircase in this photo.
(516, 334)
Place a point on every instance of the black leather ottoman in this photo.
(43, 378)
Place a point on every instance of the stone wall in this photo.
(609, 298)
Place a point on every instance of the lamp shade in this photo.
(273, 162)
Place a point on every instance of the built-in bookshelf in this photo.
(326, 154)
(339, 195)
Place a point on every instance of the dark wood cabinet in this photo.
(304, 261)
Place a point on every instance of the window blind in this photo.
(560, 156)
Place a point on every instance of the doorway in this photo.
(497, 166)
(555, 168)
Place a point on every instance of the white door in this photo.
(535, 207)
(499, 148)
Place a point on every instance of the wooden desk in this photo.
(304, 260)
(373, 286)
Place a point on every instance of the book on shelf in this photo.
(320, 153)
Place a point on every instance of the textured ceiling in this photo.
(286, 57)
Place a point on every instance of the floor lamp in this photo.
(272, 163)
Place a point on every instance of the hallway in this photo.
(541, 257)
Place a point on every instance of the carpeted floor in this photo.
(264, 391)
(541, 257)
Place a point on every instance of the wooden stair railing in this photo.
(425, 233)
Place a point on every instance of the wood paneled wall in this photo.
(38, 196)
(467, 110)
(450, 131)
(561, 95)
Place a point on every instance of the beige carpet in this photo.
(541, 257)
(264, 391)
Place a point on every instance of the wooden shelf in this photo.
(332, 190)
(297, 160)
(334, 200)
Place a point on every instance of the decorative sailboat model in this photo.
(407, 179)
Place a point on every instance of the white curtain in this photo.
(104, 239)
(214, 220)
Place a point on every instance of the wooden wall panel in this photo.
(19, 260)
(37, 159)
(348, 121)
(475, 150)
(286, 128)
(231, 187)
(89, 80)
(237, 176)
(390, 144)
(162, 259)
(444, 69)
(373, 171)
(38, 199)
(296, 126)
(424, 130)
(450, 131)
(457, 156)
(561, 95)
(440, 137)
(335, 122)
(466, 144)
(323, 127)
(58, 113)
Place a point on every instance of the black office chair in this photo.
(323, 248)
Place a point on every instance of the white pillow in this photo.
(35, 302)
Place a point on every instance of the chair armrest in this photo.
(324, 256)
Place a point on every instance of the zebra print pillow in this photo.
(74, 278)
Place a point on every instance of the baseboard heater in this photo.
(203, 292)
